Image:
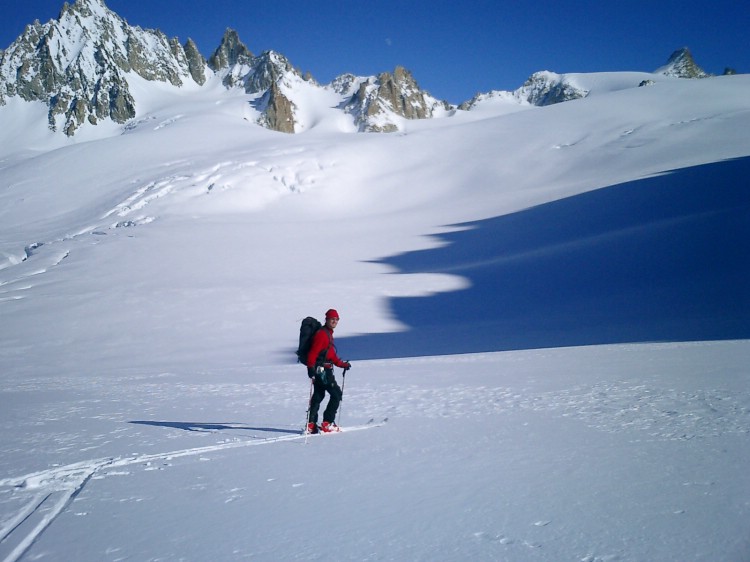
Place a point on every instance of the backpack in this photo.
(306, 332)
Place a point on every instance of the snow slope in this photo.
(152, 280)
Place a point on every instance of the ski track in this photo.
(54, 489)
(648, 412)
(634, 405)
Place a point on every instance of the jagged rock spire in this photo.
(231, 51)
(682, 65)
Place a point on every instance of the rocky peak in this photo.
(346, 84)
(77, 65)
(196, 63)
(269, 68)
(232, 58)
(540, 89)
(268, 75)
(380, 101)
(272, 74)
(682, 65)
(231, 52)
(547, 88)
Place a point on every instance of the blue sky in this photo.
(454, 49)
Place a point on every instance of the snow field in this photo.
(151, 288)
(595, 460)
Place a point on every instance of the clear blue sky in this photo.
(454, 49)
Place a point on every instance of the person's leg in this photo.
(334, 391)
(319, 392)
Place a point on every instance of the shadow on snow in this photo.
(666, 258)
(202, 426)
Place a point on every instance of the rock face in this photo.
(547, 88)
(196, 64)
(277, 112)
(233, 57)
(379, 101)
(269, 69)
(682, 65)
(268, 75)
(78, 65)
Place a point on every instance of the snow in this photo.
(153, 277)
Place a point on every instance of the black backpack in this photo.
(306, 332)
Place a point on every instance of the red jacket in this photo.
(323, 339)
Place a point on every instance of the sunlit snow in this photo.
(153, 277)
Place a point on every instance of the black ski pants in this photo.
(319, 393)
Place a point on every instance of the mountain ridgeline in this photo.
(81, 66)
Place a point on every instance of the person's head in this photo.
(332, 318)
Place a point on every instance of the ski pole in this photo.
(343, 384)
(307, 414)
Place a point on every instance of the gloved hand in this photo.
(347, 365)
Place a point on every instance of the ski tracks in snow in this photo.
(53, 490)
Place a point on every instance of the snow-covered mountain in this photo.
(84, 67)
(78, 65)
(547, 88)
(682, 65)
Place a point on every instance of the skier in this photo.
(320, 361)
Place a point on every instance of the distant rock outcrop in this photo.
(682, 65)
(547, 88)
(379, 101)
(541, 88)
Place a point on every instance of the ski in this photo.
(372, 422)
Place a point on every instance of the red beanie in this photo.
(332, 314)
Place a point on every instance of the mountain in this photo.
(547, 88)
(86, 65)
(541, 88)
(379, 101)
(78, 65)
(682, 65)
